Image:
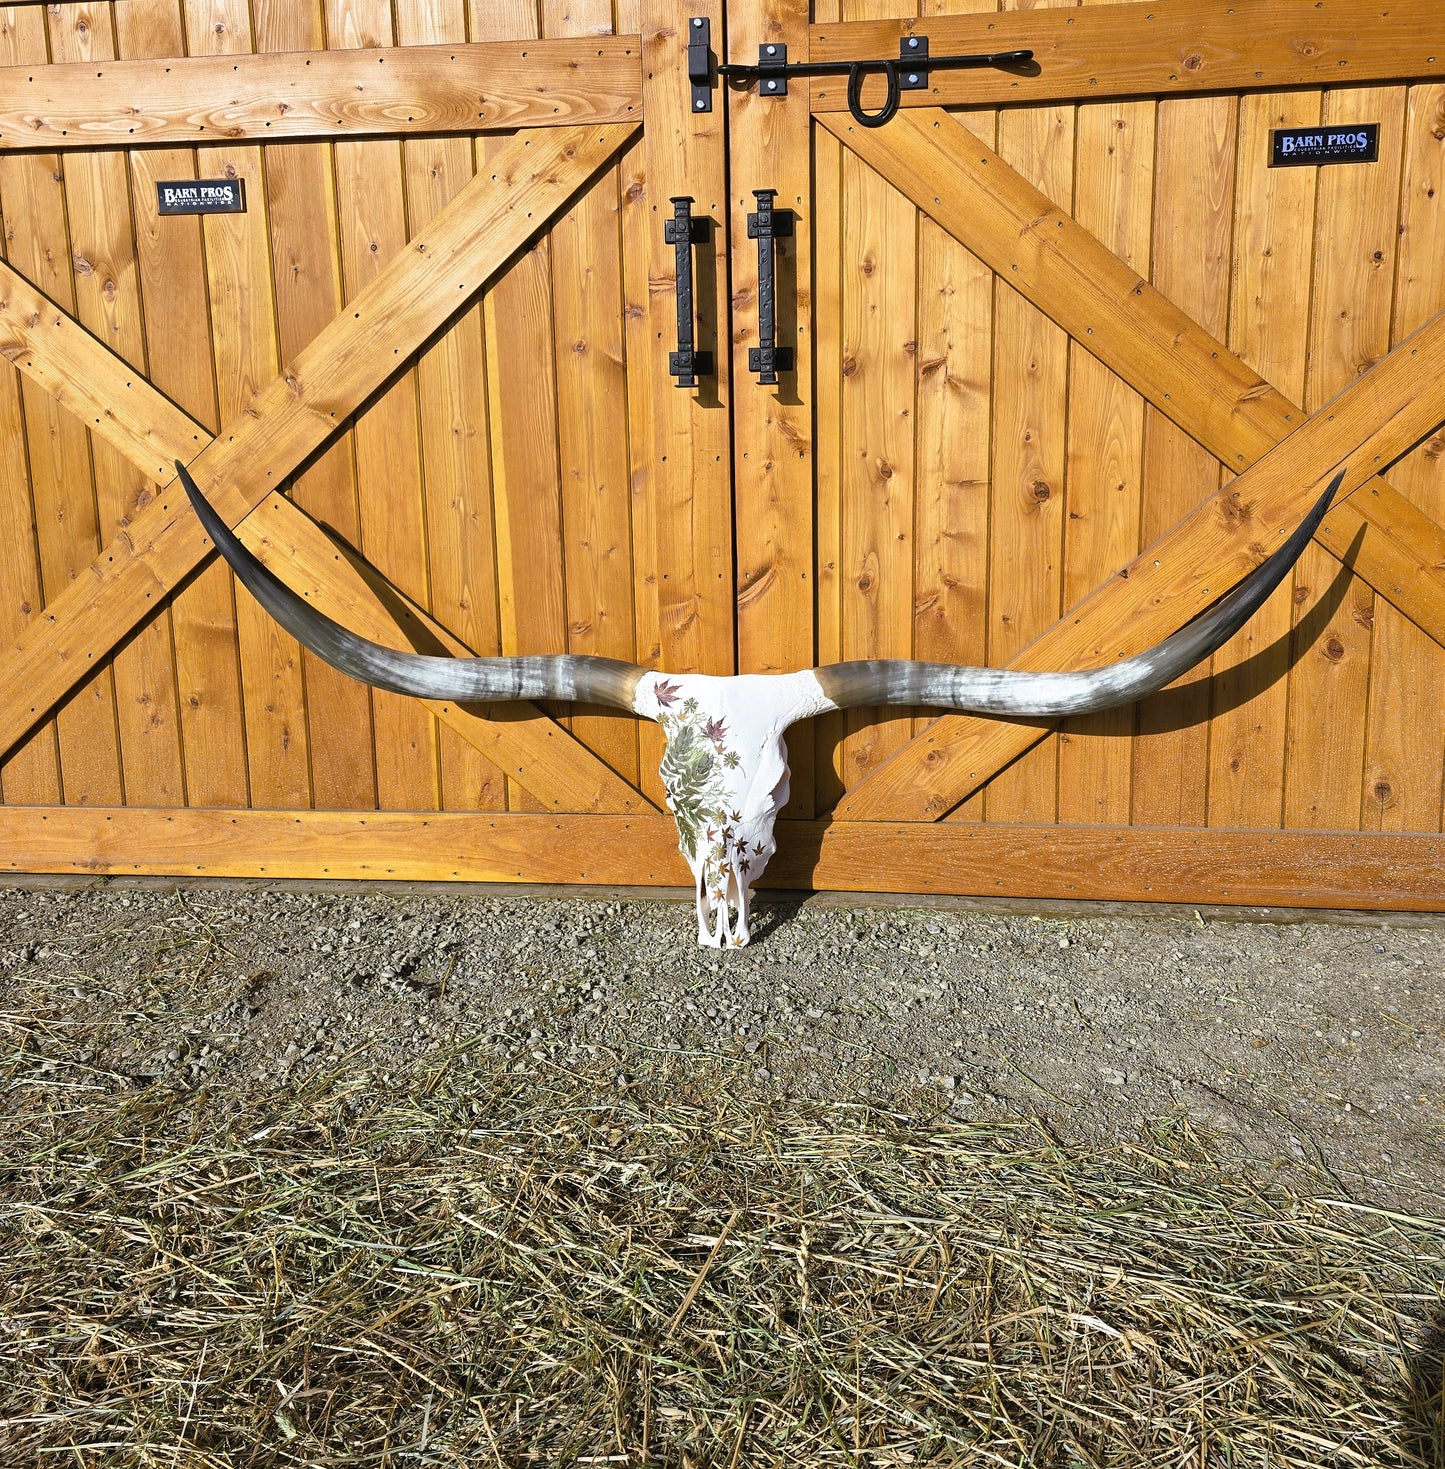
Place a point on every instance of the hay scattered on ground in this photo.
(492, 1269)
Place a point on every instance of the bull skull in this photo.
(725, 764)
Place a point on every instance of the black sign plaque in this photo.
(202, 196)
(1357, 142)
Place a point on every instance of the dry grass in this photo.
(485, 1269)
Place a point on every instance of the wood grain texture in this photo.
(1405, 740)
(1269, 331)
(1389, 872)
(1136, 50)
(297, 412)
(108, 302)
(830, 731)
(541, 756)
(452, 393)
(1113, 200)
(689, 482)
(768, 145)
(1156, 348)
(301, 205)
(31, 776)
(1195, 148)
(954, 432)
(247, 354)
(1031, 400)
(880, 318)
(337, 93)
(171, 262)
(1334, 612)
(372, 224)
(554, 768)
(593, 459)
(67, 523)
(522, 383)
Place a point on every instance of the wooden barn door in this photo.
(1035, 318)
(424, 373)
(1053, 309)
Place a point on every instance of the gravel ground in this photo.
(1305, 1046)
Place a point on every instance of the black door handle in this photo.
(682, 232)
(768, 359)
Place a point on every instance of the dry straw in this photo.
(479, 1268)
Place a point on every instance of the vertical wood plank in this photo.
(521, 381)
(830, 730)
(773, 425)
(955, 433)
(305, 248)
(247, 356)
(102, 243)
(371, 208)
(1113, 200)
(171, 262)
(1354, 269)
(452, 394)
(1193, 228)
(1269, 329)
(638, 221)
(37, 243)
(688, 480)
(880, 325)
(31, 775)
(1405, 742)
(591, 369)
(1031, 369)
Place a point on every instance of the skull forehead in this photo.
(755, 704)
(741, 721)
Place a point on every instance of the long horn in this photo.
(1037, 695)
(586, 678)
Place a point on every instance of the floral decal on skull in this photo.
(726, 773)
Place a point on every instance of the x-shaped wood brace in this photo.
(287, 421)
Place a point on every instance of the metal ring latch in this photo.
(856, 73)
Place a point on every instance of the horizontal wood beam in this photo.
(1172, 362)
(441, 270)
(469, 88)
(1119, 864)
(1138, 50)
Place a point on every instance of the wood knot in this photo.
(1384, 792)
(1193, 61)
(1040, 491)
(1334, 650)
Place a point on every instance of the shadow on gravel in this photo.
(1425, 1406)
(770, 915)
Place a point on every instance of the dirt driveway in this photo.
(1306, 1045)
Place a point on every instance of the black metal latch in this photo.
(682, 232)
(699, 62)
(768, 359)
(908, 73)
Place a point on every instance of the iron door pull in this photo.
(682, 232)
(768, 359)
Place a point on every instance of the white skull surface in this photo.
(726, 772)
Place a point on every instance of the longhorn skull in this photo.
(725, 765)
